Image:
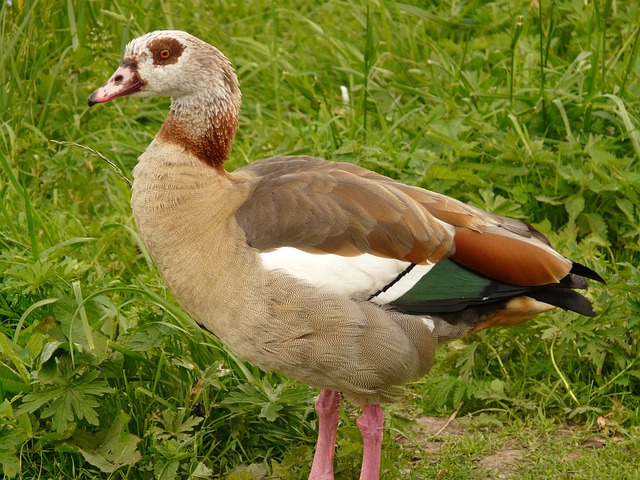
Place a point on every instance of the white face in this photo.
(170, 63)
(161, 61)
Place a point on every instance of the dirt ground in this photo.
(432, 433)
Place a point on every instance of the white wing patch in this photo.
(402, 284)
(428, 321)
(360, 277)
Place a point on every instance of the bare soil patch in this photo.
(431, 432)
(503, 463)
(509, 457)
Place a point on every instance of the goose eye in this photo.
(165, 51)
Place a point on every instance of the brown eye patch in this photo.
(165, 51)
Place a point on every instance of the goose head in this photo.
(169, 63)
(202, 84)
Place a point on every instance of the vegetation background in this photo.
(528, 109)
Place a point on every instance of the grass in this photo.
(528, 109)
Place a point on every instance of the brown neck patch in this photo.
(212, 145)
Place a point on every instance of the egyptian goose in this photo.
(329, 273)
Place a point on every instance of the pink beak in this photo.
(124, 81)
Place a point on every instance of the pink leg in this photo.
(370, 424)
(328, 408)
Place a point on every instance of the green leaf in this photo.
(167, 470)
(627, 208)
(597, 226)
(601, 156)
(12, 383)
(71, 397)
(11, 436)
(250, 472)
(49, 349)
(173, 424)
(10, 463)
(202, 471)
(574, 206)
(110, 449)
(270, 411)
(33, 401)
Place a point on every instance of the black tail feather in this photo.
(583, 271)
(564, 298)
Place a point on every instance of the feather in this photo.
(337, 208)
(509, 258)
(354, 276)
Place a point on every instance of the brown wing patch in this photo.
(316, 205)
(509, 259)
(459, 214)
